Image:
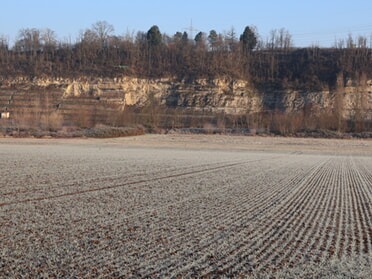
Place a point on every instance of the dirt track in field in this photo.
(184, 206)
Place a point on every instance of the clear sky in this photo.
(319, 22)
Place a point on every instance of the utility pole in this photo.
(191, 29)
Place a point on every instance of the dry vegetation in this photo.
(186, 206)
(271, 64)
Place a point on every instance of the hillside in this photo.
(163, 82)
(165, 103)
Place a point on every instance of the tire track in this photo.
(363, 208)
(298, 239)
(178, 239)
(282, 220)
(331, 223)
(156, 249)
(148, 180)
(209, 242)
(343, 211)
(253, 242)
(312, 211)
(354, 213)
(334, 209)
(350, 221)
(101, 179)
(313, 197)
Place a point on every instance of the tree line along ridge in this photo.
(271, 62)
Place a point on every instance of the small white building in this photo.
(4, 114)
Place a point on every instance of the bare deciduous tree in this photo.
(279, 39)
(29, 40)
(48, 37)
(102, 30)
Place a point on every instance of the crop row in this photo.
(157, 212)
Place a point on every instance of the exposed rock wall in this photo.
(218, 95)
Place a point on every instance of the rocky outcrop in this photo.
(217, 95)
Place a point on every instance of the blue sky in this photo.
(318, 22)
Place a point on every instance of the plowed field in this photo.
(178, 206)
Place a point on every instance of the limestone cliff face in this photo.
(218, 95)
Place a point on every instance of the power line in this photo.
(327, 37)
(350, 29)
(191, 29)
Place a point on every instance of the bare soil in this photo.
(186, 206)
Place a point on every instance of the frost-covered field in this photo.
(185, 206)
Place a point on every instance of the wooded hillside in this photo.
(273, 62)
(283, 77)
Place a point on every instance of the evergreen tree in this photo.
(248, 39)
(199, 37)
(213, 39)
(154, 37)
